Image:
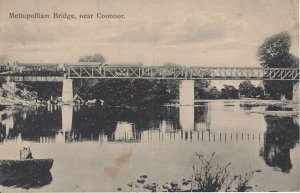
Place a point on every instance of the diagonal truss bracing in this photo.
(192, 73)
(149, 72)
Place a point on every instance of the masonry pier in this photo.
(67, 92)
(186, 92)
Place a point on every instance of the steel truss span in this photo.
(184, 73)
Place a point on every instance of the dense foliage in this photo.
(229, 92)
(94, 58)
(44, 89)
(128, 91)
(275, 53)
(249, 90)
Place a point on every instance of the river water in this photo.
(103, 148)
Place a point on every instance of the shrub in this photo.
(214, 178)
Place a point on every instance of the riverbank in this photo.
(10, 95)
(278, 113)
(286, 108)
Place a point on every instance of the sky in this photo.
(187, 32)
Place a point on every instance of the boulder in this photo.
(174, 184)
(130, 184)
(143, 176)
(141, 180)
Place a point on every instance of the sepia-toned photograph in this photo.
(149, 96)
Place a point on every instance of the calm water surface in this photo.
(103, 148)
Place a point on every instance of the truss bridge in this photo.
(183, 73)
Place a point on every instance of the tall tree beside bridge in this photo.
(95, 58)
(275, 53)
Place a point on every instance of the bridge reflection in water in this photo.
(187, 124)
(75, 124)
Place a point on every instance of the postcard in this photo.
(149, 96)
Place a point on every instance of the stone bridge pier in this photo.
(67, 92)
(186, 92)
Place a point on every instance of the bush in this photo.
(215, 178)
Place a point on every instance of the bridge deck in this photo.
(193, 73)
(161, 72)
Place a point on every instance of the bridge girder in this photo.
(161, 72)
(185, 73)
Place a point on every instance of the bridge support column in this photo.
(296, 91)
(186, 92)
(67, 92)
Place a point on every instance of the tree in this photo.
(202, 89)
(247, 89)
(260, 92)
(229, 92)
(95, 58)
(214, 93)
(44, 89)
(274, 53)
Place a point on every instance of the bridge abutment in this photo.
(186, 92)
(296, 91)
(67, 92)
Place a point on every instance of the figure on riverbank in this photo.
(25, 153)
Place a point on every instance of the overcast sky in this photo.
(188, 32)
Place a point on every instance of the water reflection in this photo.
(187, 118)
(29, 124)
(69, 124)
(7, 123)
(281, 136)
(25, 180)
(67, 117)
(202, 117)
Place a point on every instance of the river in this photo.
(103, 148)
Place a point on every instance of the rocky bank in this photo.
(10, 94)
